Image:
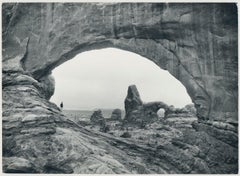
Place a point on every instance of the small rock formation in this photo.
(190, 108)
(140, 114)
(97, 118)
(126, 135)
(180, 117)
(116, 114)
(185, 112)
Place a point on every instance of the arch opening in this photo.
(99, 79)
(161, 113)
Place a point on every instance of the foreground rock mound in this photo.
(46, 142)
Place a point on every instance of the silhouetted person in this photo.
(61, 105)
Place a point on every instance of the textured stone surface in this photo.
(196, 43)
(17, 165)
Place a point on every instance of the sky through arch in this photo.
(100, 78)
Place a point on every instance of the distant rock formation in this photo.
(187, 111)
(133, 101)
(138, 112)
(180, 117)
(191, 108)
(151, 108)
(97, 118)
(116, 114)
(133, 105)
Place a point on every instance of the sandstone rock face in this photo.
(196, 43)
(199, 51)
(116, 114)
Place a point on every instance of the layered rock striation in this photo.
(196, 43)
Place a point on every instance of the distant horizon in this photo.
(92, 109)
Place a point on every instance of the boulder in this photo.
(116, 114)
(191, 108)
(17, 165)
(97, 118)
(126, 135)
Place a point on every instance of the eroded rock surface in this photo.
(196, 43)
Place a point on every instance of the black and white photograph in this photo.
(119, 88)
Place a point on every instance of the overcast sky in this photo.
(100, 78)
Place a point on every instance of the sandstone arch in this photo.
(196, 43)
(183, 41)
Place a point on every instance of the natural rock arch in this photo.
(183, 41)
(198, 94)
(196, 43)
